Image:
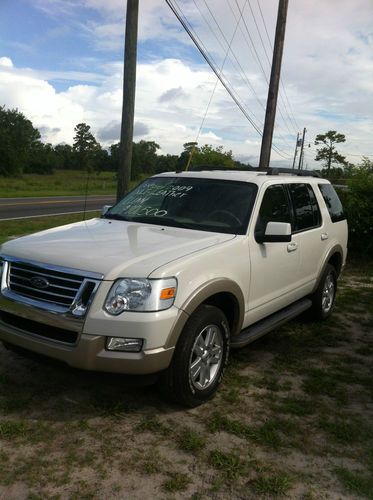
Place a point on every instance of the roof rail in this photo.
(269, 171)
(199, 168)
(292, 171)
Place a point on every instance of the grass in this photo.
(191, 441)
(176, 482)
(230, 464)
(356, 482)
(272, 485)
(60, 183)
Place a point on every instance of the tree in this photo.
(17, 139)
(144, 158)
(328, 154)
(85, 145)
(43, 159)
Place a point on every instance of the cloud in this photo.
(6, 62)
(172, 95)
(140, 129)
(327, 68)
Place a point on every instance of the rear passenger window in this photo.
(306, 210)
(332, 202)
(274, 207)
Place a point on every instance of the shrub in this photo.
(358, 202)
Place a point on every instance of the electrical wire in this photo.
(291, 115)
(186, 25)
(255, 54)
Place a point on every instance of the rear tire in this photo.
(323, 299)
(200, 358)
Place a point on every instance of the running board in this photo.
(272, 322)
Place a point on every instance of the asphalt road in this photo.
(22, 208)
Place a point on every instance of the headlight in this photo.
(140, 294)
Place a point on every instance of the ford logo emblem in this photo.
(39, 282)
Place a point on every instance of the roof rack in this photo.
(199, 168)
(292, 171)
(269, 171)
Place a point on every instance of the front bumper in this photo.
(90, 353)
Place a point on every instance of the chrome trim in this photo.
(66, 317)
(61, 269)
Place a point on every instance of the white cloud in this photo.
(327, 68)
(6, 62)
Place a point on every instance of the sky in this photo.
(61, 63)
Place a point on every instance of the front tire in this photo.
(200, 358)
(323, 299)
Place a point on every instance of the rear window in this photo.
(306, 211)
(332, 202)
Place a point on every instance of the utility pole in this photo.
(296, 149)
(265, 153)
(301, 151)
(128, 108)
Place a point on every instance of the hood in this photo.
(112, 248)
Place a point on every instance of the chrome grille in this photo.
(44, 284)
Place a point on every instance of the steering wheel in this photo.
(226, 214)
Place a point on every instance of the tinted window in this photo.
(192, 203)
(306, 211)
(315, 207)
(332, 202)
(274, 207)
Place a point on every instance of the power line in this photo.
(210, 62)
(292, 117)
(255, 55)
(221, 45)
(258, 58)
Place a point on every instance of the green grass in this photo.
(176, 482)
(60, 183)
(272, 485)
(356, 482)
(10, 429)
(230, 464)
(191, 441)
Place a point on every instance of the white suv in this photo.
(184, 267)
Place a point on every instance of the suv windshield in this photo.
(203, 204)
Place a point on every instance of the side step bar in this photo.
(272, 322)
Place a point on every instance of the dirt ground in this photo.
(293, 418)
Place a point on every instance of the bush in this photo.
(358, 202)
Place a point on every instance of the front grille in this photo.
(44, 284)
(47, 331)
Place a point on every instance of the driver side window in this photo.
(274, 208)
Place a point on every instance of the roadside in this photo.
(60, 183)
(293, 417)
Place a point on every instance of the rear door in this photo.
(308, 229)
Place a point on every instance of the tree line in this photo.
(22, 151)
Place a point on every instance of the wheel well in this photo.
(336, 261)
(227, 303)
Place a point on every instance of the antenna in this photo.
(86, 193)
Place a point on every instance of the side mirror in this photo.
(276, 232)
(105, 208)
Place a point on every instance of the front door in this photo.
(274, 266)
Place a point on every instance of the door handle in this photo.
(324, 236)
(292, 247)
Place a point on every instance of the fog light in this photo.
(124, 344)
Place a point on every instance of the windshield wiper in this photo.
(160, 221)
(115, 217)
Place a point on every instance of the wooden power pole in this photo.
(302, 149)
(265, 153)
(128, 108)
